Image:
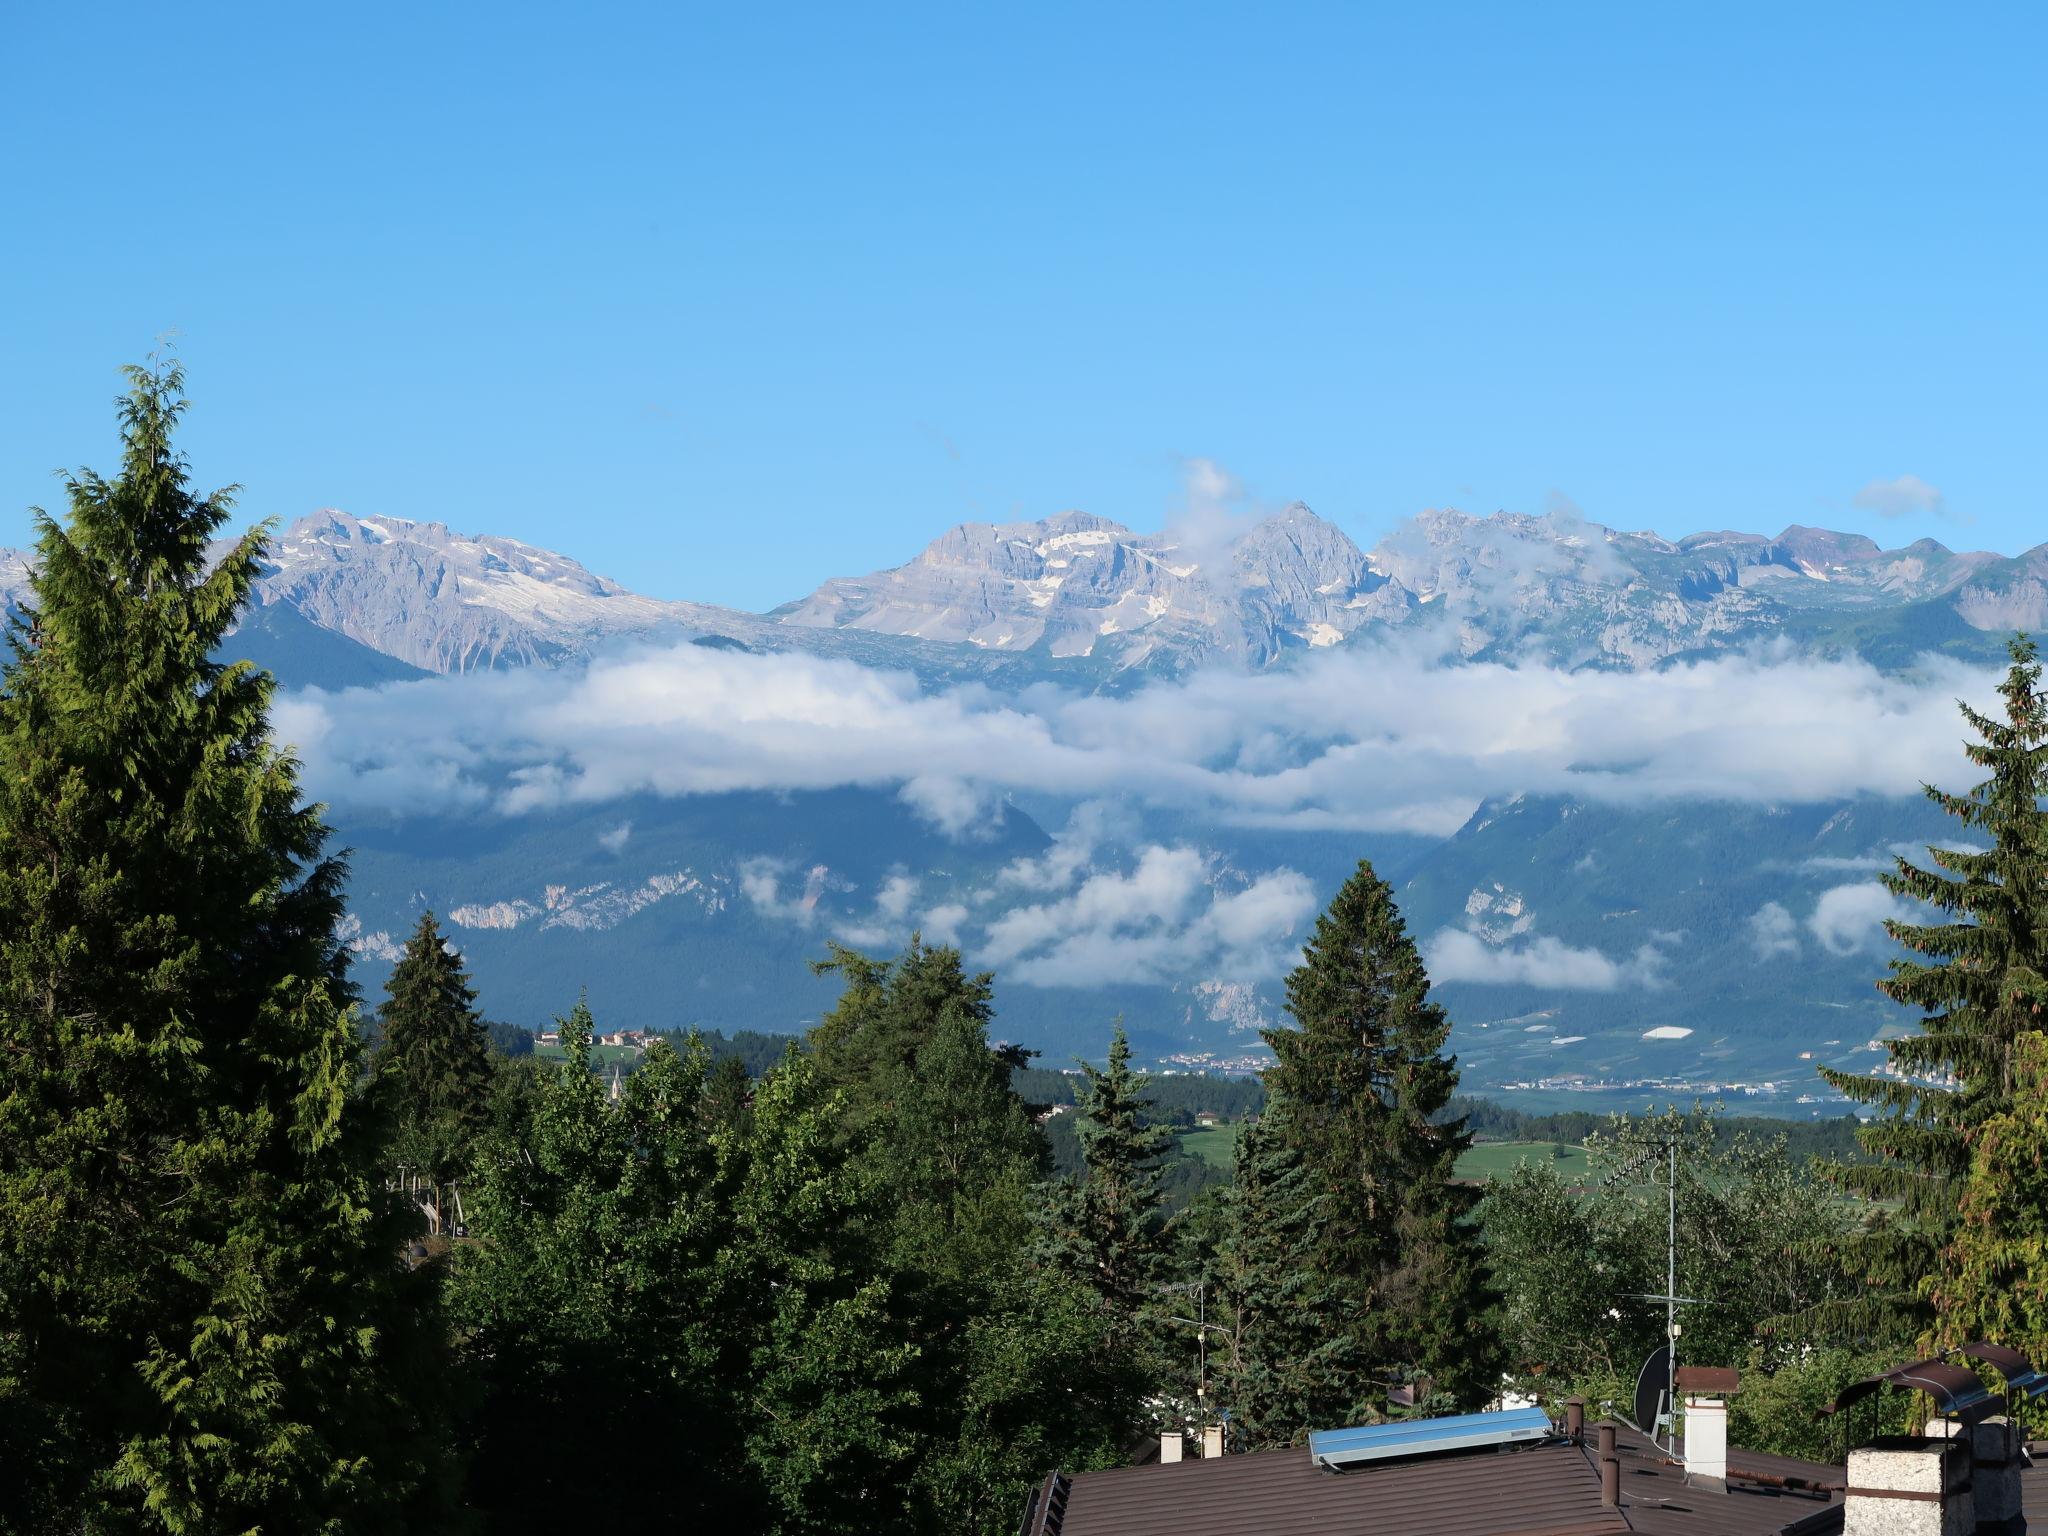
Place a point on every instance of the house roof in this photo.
(1764, 1494)
(1541, 1490)
(1550, 1489)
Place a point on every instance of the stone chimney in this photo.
(1904, 1485)
(1996, 1457)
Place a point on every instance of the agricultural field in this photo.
(1213, 1144)
(1489, 1160)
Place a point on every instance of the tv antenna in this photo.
(1628, 1171)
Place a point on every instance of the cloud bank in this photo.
(1379, 739)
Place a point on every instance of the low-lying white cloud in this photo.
(1773, 931)
(1849, 918)
(1456, 954)
(1164, 920)
(1383, 739)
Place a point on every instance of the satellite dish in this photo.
(1653, 1388)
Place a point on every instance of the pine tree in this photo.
(1357, 1092)
(1107, 1225)
(1279, 1355)
(204, 1323)
(1992, 1281)
(1011, 1376)
(1979, 987)
(435, 1062)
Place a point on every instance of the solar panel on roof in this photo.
(1335, 1449)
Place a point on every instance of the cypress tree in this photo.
(204, 1322)
(1357, 1093)
(435, 1061)
(1979, 987)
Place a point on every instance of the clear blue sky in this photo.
(724, 301)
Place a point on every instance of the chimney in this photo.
(1172, 1445)
(1575, 1420)
(1910, 1485)
(1212, 1440)
(1995, 1460)
(1610, 1468)
(1706, 1441)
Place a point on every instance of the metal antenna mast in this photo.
(1626, 1173)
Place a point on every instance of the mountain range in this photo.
(1701, 945)
(1082, 597)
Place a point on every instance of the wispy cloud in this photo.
(1456, 955)
(1773, 931)
(1902, 496)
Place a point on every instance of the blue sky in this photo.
(727, 301)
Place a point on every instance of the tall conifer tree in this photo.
(1357, 1093)
(204, 1323)
(435, 1061)
(1276, 1350)
(1106, 1227)
(1979, 985)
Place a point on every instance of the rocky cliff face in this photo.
(448, 602)
(1081, 596)
(1077, 585)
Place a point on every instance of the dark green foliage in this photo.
(1105, 1227)
(1171, 1098)
(435, 1064)
(509, 1039)
(1358, 1094)
(1979, 987)
(204, 1322)
(1011, 1376)
(1274, 1348)
(1573, 1265)
(679, 1294)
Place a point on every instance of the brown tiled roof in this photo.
(1542, 1490)
(1765, 1494)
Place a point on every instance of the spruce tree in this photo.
(1992, 1280)
(1357, 1093)
(1979, 985)
(1010, 1374)
(204, 1321)
(1107, 1227)
(1279, 1354)
(435, 1062)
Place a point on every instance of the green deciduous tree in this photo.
(1573, 1265)
(1979, 985)
(1356, 1093)
(685, 1300)
(204, 1321)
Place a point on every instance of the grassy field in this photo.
(1215, 1144)
(605, 1056)
(1490, 1159)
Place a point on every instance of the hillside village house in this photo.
(1516, 1472)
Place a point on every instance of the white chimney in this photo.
(1172, 1445)
(1212, 1440)
(1706, 1441)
